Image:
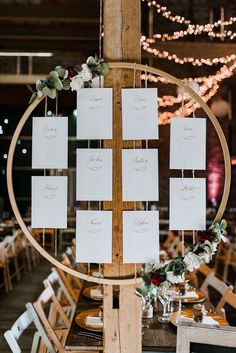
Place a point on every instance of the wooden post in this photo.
(122, 28)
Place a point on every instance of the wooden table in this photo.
(158, 337)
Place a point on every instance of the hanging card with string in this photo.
(139, 113)
(94, 114)
(94, 174)
(50, 143)
(94, 236)
(187, 203)
(188, 143)
(49, 202)
(140, 175)
(140, 236)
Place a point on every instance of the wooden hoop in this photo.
(25, 117)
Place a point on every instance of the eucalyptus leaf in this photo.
(30, 89)
(61, 71)
(53, 74)
(58, 84)
(104, 69)
(91, 61)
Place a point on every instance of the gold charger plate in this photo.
(87, 293)
(80, 320)
(189, 314)
(201, 297)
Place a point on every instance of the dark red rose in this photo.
(205, 235)
(156, 279)
(71, 72)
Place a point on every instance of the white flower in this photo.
(86, 73)
(77, 82)
(205, 257)
(214, 247)
(191, 261)
(174, 279)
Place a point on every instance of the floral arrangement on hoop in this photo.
(163, 275)
(72, 77)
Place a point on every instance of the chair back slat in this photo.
(21, 324)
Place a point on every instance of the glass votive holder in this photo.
(182, 288)
(198, 312)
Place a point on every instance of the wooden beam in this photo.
(20, 79)
(65, 9)
(195, 49)
(39, 20)
(122, 324)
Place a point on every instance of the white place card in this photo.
(94, 114)
(94, 236)
(140, 236)
(140, 175)
(94, 174)
(49, 202)
(139, 113)
(50, 143)
(188, 143)
(188, 203)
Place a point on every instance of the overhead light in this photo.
(25, 54)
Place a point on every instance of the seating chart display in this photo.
(94, 174)
(139, 114)
(188, 203)
(94, 113)
(49, 202)
(50, 143)
(94, 236)
(140, 175)
(188, 143)
(140, 236)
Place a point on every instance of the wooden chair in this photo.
(187, 333)
(56, 334)
(214, 282)
(4, 265)
(228, 298)
(72, 284)
(171, 238)
(49, 237)
(222, 261)
(203, 271)
(22, 323)
(62, 295)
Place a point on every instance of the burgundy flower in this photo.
(71, 72)
(156, 279)
(205, 235)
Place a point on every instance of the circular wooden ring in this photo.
(25, 117)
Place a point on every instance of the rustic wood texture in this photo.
(122, 28)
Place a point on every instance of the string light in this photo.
(192, 29)
(208, 89)
(178, 60)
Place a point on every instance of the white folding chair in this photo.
(47, 300)
(214, 282)
(187, 333)
(62, 293)
(27, 318)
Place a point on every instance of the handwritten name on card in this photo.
(94, 175)
(140, 175)
(94, 114)
(94, 236)
(188, 143)
(139, 113)
(49, 202)
(50, 143)
(140, 236)
(187, 203)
